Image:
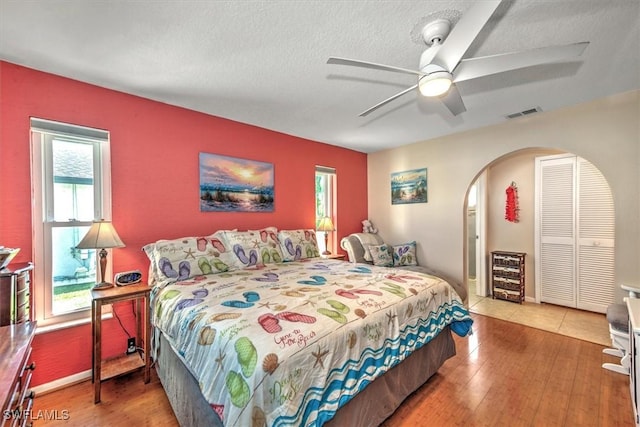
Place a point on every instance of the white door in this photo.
(555, 185)
(595, 240)
(574, 234)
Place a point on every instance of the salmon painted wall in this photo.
(154, 156)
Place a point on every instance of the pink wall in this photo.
(154, 155)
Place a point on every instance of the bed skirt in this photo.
(369, 408)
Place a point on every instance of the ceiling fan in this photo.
(442, 66)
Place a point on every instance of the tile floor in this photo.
(579, 324)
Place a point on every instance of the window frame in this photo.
(42, 134)
(330, 204)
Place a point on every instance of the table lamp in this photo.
(326, 225)
(101, 236)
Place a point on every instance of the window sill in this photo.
(68, 324)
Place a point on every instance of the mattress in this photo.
(292, 343)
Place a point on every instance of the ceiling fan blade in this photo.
(372, 65)
(486, 65)
(464, 33)
(453, 101)
(386, 101)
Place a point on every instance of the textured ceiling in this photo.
(264, 62)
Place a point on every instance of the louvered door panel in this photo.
(595, 204)
(596, 282)
(556, 205)
(557, 201)
(557, 277)
(595, 254)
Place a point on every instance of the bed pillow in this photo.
(254, 248)
(381, 255)
(405, 254)
(298, 244)
(270, 250)
(187, 257)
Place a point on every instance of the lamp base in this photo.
(102, 285)
(326, 244)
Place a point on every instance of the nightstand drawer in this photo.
(22, 297)
(22, 313)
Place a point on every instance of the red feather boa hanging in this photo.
(511, 210)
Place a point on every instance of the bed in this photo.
(254, 329)
(357, 254)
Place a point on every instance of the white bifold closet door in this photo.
(575, 234)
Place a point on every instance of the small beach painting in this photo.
(409, 187)
(230, 184)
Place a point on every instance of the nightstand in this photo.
(109, 368)
(334, 256)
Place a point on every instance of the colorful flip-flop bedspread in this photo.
(289, 344)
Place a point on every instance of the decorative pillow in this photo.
(381, 255)
(405, 254)
(367, 240)
(187, 257)
(298, 244)
(254, 248)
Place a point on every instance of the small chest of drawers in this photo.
(16, 368)
(15, 294)
(507, 275)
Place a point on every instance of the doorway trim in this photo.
(481, 235)
(480, 184)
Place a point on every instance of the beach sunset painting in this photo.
(409, 187)
(230, 184)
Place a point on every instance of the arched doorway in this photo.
(516, 167)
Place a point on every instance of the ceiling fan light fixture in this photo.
(435, 84)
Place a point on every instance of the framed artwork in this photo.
(230, 184)
(409, 187)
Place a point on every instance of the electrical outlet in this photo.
(131, 345)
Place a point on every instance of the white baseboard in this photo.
(62, 382)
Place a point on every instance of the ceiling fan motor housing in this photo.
(434, 34)
(436, 31)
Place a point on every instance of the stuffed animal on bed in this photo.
(367, 227)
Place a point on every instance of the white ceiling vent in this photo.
(524, 113)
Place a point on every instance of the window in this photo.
(325, 199)
(71, 188)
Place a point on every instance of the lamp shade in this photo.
(435, 84)
(325, 224)
(101, 235)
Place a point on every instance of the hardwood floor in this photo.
(125, 401)
(506, 374)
